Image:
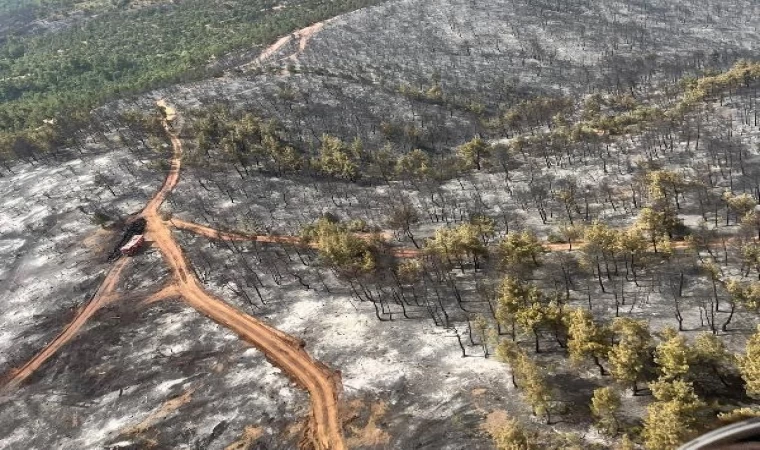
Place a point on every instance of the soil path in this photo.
(213, 233)
(102, 297)
(324, 431)
(286, 352)
(398, 252)
(303, 36)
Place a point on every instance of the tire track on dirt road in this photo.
(325, 429)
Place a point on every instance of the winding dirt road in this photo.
(325, 429)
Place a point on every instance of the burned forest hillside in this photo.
(398, 224)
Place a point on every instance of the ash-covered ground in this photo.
(53, 253)
(154, 376)
(368, 74)
(161, 376)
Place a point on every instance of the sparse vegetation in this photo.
(576, 221)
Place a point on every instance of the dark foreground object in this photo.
(743, 435)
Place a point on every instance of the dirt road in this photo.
(303, 36)
(286, 352)
(212, 233)
(398, 252)
(324, 431)
(102, 297)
